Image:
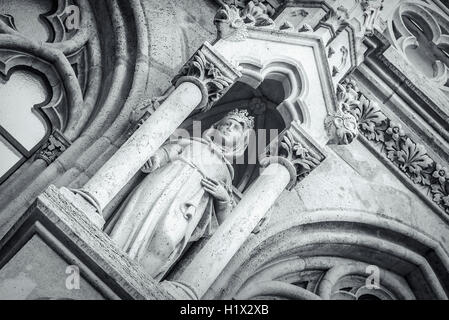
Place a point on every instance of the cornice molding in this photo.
(396, 146)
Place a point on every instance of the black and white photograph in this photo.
(222, 156)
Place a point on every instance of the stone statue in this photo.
(186, 195)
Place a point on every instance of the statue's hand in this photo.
(152, 164)
(216, 190)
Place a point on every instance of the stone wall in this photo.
(177, 28)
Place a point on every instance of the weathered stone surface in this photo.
(38, 272)
(72, 236)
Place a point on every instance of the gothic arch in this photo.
(417, 26)
(410, 263)
(292, 76)
(58, 109)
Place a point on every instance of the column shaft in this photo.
(124, 164)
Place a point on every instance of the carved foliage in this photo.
(269, 6)
(257, 15)
(299, 155)
(53, 148)
(209, 74)
(410, 157)
(230, 25)
(296, 151)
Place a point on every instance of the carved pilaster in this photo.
(297, 151)
(53, 148)
(211, 72)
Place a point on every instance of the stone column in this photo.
(287, 161)
(201, 82)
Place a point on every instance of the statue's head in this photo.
(232, 132)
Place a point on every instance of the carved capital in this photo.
(53, 148)
(342, 126)
(230, 25)
(211, 72)
(232, 20)
(297, 151)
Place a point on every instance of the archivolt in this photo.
(411, 264)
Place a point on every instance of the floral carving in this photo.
(287, 26)
(257, 106)
(53, 148)
(215, 82)
(270, 8)
(410, 157)
(298, 155)
(440, 196)
(371, 120)
(441, 174)
(257, 15)
(305, 28)
(395, 131)
(296, 151)
(232, 20)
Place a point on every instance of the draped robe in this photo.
(171, 203)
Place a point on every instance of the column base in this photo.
(84, 206)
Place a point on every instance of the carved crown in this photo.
(243, 117)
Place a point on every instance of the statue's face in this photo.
(231, 130)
